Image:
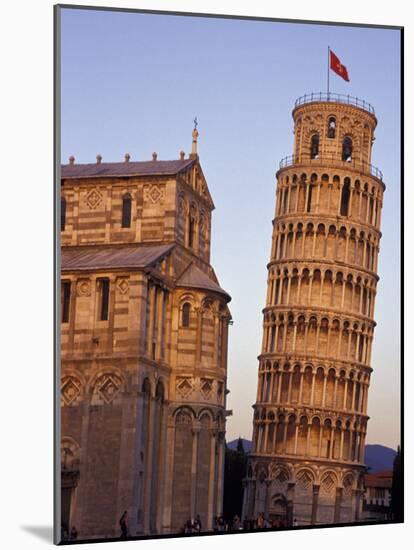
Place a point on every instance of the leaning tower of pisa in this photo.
(310, 415)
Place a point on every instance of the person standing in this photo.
(197, 523)
(123, 522)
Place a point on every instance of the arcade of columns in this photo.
(310, 416)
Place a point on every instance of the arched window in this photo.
(62, 213)
(347, 149)
(345, 197)
(185, 318)
(103, 286)
(191, 230)
(285, 197)
(65, 301)
(126, 210)
(309, 205)
(314, 146)
(331, 127)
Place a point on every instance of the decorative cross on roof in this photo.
(195, 123)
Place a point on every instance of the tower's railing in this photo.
(331, 160)
(334, 98)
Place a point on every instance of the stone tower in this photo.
(310, 416)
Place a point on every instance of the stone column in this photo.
(267, 498)
(265, 337)
(335, 395)
(279, 386)
(318, 330)
(199, 335)
(265, 437)
(302, 375)
(285, 245)
(272, 381)
(220, 473)
(148, 467)
(296, 437)
(315, 497)
(343, 293)
(357, 502)
(212, 476)
(338, 351)
(160, 323)
(216, 338)
(196, 434)
(313, 388)
(332, 442)
(341, 447)
(295, 330)
(310, 289)
(307, 196)
(318, 197)
(353, 395)
(338, 502)
(345, 394)
(276, 337)
(274, 435)
(224, 342)
(150, 319)
(306, 334)
(298, 290)
(252, 499)
(288, 289)
(357, 347)
(348, 349)
(285, 427)
(308, 439)
(330, 186)
(290, 499)
(290, 387)
(321, 429)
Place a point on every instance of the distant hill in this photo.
(377, 457)
(247, 445)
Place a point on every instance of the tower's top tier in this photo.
(333, 127)
(318, 97)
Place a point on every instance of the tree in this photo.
(240, 448)
(397, 490)
(235, 467)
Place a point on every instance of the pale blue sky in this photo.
(134, 82)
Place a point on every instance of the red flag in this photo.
(337, 67)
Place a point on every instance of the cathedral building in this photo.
(310, 417)
(144, 327)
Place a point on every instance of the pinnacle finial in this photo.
(195, 136)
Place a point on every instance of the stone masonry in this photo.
(310, 416)
(144, 328)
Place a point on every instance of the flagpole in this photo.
(328, 72)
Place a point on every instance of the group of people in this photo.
(220, 525)
(67, 534)
(193, 525)
(263, 523)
